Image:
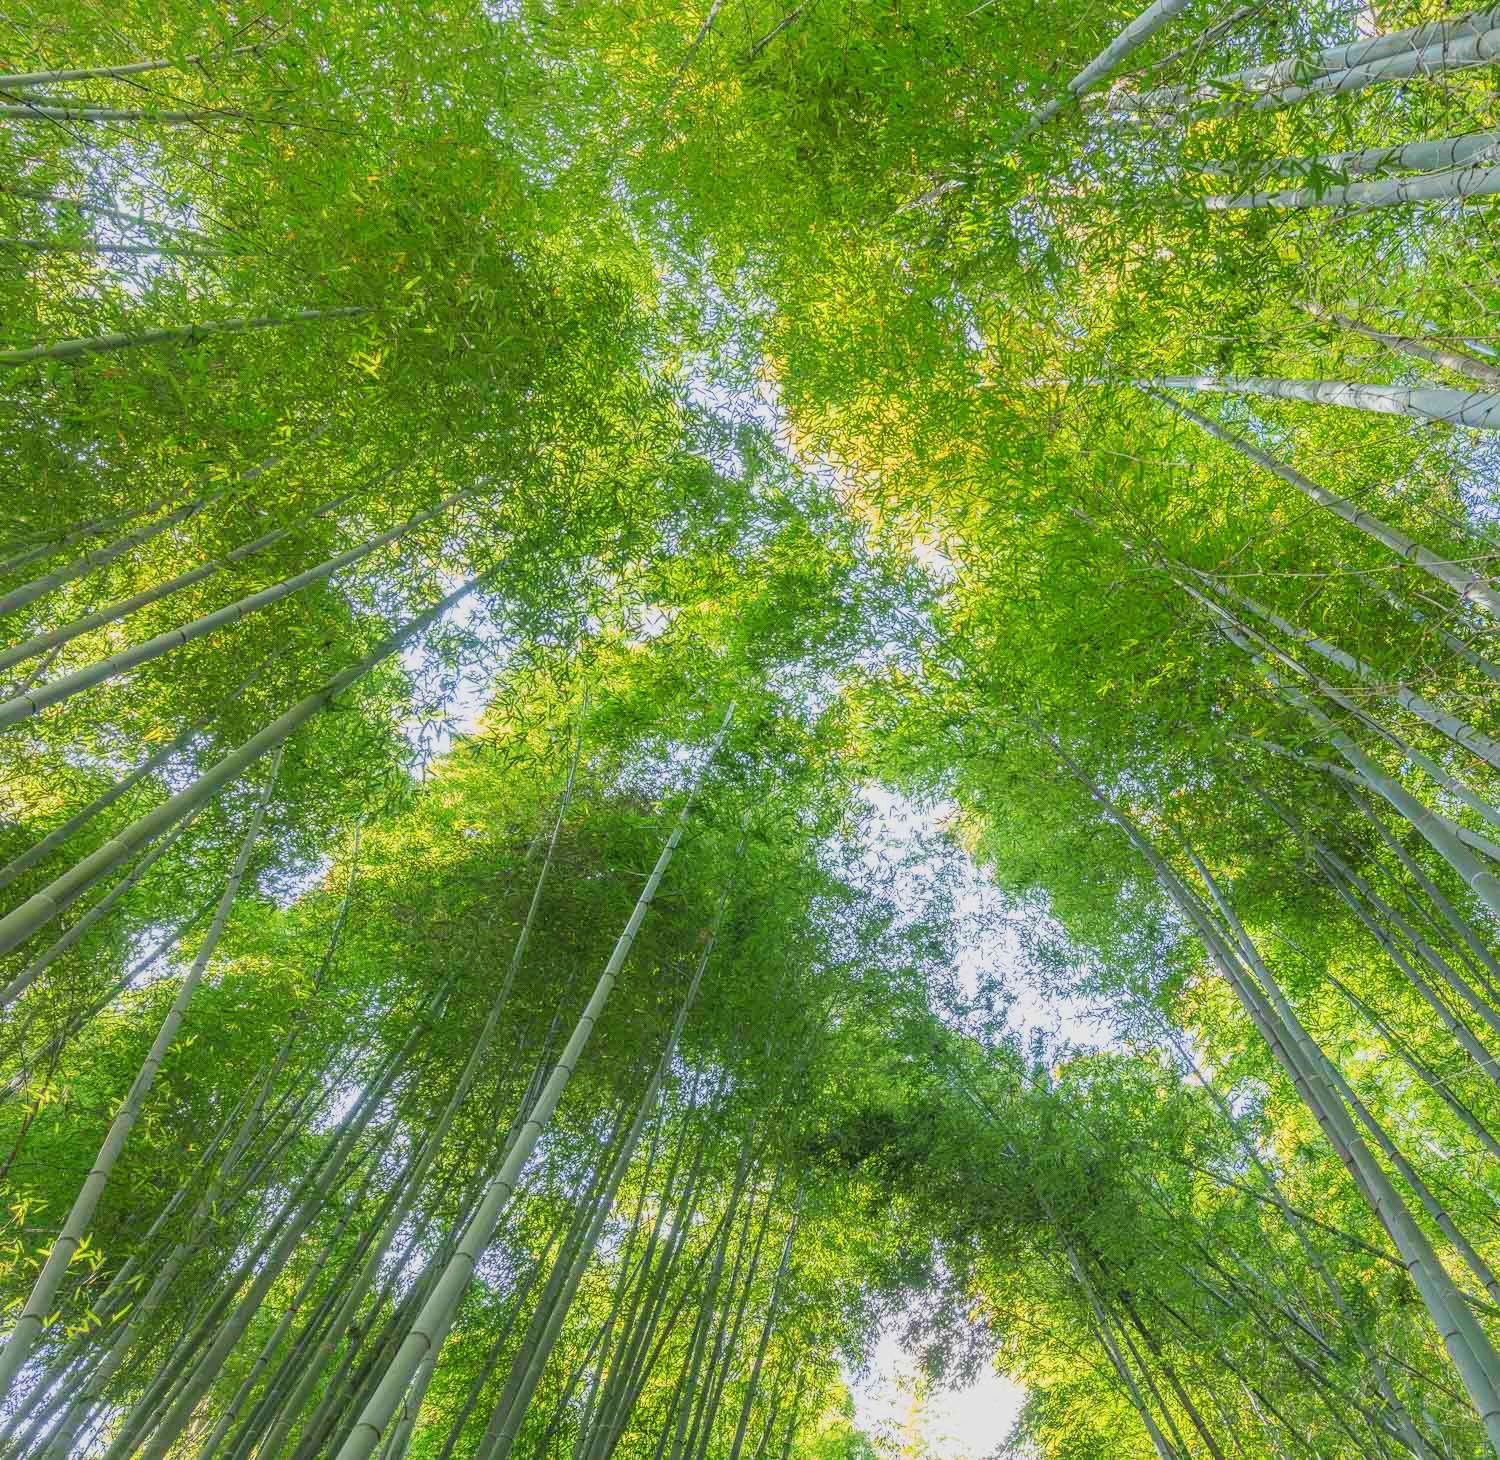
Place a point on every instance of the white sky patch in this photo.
(934, 561)
(340, 1107)
(969, 1423)
(650, 621)
(986, 946)
(295, 888)
(124, 174)
(963, 1424)
(462, 710)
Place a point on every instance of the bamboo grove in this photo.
(497, 494)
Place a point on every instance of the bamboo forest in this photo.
(749, 730)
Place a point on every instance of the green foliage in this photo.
(766, 355)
